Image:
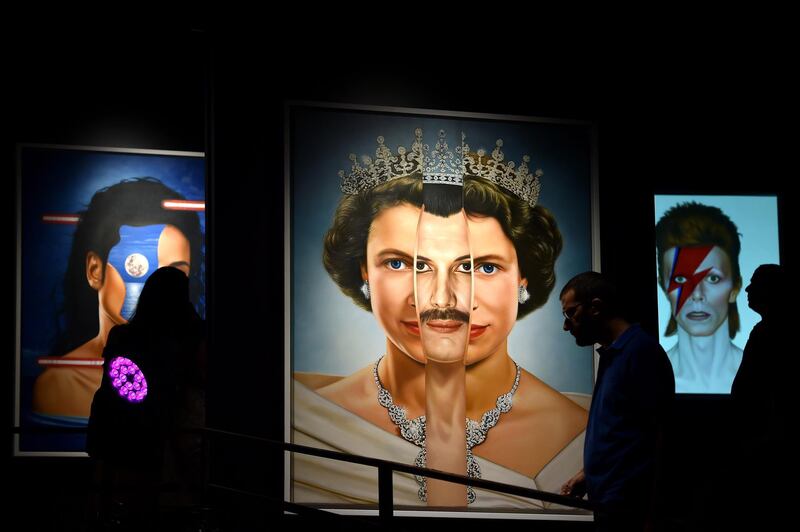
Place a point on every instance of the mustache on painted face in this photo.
(446, 314)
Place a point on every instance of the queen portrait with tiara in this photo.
(448, 249)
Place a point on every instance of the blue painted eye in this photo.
(395, 264)
(488, 268)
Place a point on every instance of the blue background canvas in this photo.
(56, 180)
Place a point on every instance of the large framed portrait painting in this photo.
(425, 254)
(93, 224)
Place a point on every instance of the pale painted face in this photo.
(496, 278)
(389, 270)
(173, 250)
(700, 286)
(443, 286)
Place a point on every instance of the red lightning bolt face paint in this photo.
(685, 276)
(700, 287)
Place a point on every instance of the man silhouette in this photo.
(631, 398)
(761, 397)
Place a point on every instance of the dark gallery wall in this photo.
(662, 127)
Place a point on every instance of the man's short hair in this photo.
(590, 285)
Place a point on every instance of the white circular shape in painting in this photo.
(136, 265)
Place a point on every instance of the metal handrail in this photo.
(386, 467)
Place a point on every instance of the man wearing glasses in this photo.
(631, 398)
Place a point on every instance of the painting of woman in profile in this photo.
(95, 225)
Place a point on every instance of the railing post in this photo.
(385, 495)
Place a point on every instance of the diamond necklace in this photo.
(414, 430)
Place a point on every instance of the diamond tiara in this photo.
(442, 165)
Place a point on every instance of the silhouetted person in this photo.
(151, 390)
(762, 404)
(632, 396)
